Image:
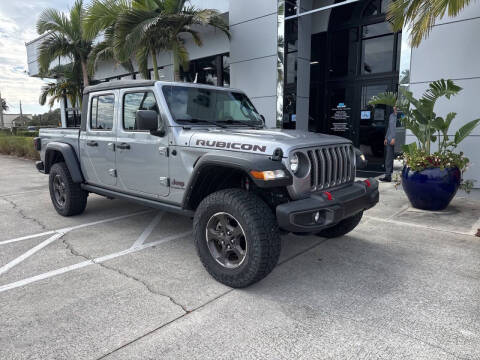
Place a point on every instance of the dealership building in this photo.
(315, 64)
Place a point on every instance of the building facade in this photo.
(315, 64)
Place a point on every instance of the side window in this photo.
(102, 111)
(132, 102)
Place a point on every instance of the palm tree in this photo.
(420, 15)
(100, 18)
(68, 84)
(64, 38)
(149, 26)
(4, 104)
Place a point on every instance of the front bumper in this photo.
(325, 209)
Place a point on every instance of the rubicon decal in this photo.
(234, 146)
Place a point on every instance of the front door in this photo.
(373, 122)
(97, 144)
(142, 158)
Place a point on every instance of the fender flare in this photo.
(71, 159)
(237, 161)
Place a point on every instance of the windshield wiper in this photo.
(193, 120)
(240, 122)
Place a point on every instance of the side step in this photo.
(140, 200)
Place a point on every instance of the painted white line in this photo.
(148, 230)
(415, 225)
(83, 264)
(21, 193)
(30, 252)
(67, 229)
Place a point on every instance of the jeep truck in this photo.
(204, 152)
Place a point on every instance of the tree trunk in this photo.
(84, 73)
(155, 66)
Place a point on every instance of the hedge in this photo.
(21, 146)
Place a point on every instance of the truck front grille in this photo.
(331, 166)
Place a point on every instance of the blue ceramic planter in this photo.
(431, 189)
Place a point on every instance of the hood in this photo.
(263, 141)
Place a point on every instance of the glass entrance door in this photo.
(340, 112)
(373, 122)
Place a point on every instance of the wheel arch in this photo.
(58, 152)
(214, 172)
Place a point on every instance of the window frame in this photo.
(136, 91)
(96, 96)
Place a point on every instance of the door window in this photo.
(102, 112)
(132, 102)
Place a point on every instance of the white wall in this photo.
(253, 53)
(452, 51)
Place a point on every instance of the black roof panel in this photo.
(118, 84)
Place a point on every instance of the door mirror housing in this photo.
(147, 120)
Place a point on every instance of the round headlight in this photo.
(294, 163)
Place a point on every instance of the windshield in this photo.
(194, 105)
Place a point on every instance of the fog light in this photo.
(316, 217)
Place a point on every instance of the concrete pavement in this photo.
(124, 282)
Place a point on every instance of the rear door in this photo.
(142, 158)
(97, 143)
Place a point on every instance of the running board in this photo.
(140, 200)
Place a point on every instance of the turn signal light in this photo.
(268, 175)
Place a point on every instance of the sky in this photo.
(17, 26)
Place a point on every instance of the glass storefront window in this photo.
(377, 55)
(373, 30)
(339, 53)
(213, 70)
(385, 5)
(290, 7)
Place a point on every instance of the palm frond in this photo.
(421, 15)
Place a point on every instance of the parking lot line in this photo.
(30, 252)
(83, 264)
(67, 229)
(148, 230)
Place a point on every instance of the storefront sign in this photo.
(340, 116)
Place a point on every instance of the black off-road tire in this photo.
(75, 197)
(342, 228)
(261, 234)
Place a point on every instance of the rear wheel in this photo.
(236, 236)
(68, 198)
(343, 227)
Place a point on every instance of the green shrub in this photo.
(19, 146)
(27, 133)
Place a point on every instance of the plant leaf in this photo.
(465, 130)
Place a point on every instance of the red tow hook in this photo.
(367, 182)
(329, 195)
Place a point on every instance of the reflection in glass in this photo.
(373, 30)
(373, 120)
(377, 55)
(132, 102)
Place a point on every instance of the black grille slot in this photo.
(330, 166)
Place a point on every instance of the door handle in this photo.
(123, 146)
(92, 143)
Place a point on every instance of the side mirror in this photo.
(147, 120)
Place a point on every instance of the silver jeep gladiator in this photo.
(204, 152)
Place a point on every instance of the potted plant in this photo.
(430, 180)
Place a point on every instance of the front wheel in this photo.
(343, 227)
(68, 198)
(236, 236)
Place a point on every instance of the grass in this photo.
(21, 146)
